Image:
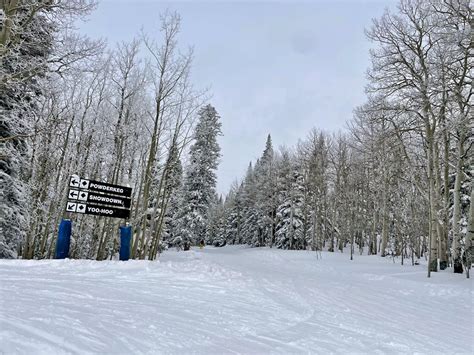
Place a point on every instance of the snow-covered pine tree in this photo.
(258, 235)
(25, 44)
(33, 46)
(289, 230)
(215, 231)
(171, 232)
(265, 198)
(250, 230)
(234, 215)
(221, 239)
(200, 179)
(168, 200)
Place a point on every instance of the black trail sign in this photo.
(92, 185)
(97, 210)
(100, 199)
(106, 211)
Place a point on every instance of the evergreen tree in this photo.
(266, 203)
(234, 216)
(250, 228)
(200, 179)
(171, 192)
(215, 231)
(25, 45)
(289, 230)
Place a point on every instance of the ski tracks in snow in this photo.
(339, 305)
(232, 300)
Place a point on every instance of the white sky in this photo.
(273, 67)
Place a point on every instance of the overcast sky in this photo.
(273, 67)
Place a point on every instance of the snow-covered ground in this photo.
(233, 300)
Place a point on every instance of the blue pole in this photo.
(125, 239)
(64, 239)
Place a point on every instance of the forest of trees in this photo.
(70, 105)
(397, 181)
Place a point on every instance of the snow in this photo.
(233, 300)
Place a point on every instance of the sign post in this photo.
(125, 239)
(90, 197)
(98, 198)
(64, 239)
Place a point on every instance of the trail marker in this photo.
(98, 186)
(98, 198)
(71, 207)
(73, 194)
(84, 184)
(74, 181)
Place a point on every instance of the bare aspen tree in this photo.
(454, 20)
(468, 257)
(315, 157)
(401, 71)
(170, 69)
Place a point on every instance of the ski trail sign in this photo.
(98, 186)
(106, 211)
(104, 199)
(98, 198)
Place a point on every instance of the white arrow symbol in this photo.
(73, 194)
(74, 182)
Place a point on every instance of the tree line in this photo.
(399, 180)
(396, 182)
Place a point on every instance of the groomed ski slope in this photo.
(233, 300)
